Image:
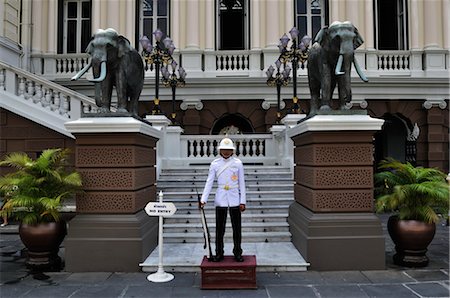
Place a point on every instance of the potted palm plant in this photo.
(34, 193)
(417, 196)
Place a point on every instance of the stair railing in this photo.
(43, 93)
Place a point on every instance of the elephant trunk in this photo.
(81, 72)
(102, 75)
(338, 71)
(359, 71)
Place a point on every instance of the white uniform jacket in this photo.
(230, 182)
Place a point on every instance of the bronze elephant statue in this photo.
(329, 63)
(114, 64)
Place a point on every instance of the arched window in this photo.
(232, 124)
(233, 24)
(310, 16)
(397, 139)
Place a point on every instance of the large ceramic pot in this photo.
(411, 239)
(43, 241)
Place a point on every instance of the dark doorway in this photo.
(392, 140)
(232, 24)
(232, 124)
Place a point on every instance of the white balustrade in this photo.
(251, 148)
(393, 60)
(43, 94)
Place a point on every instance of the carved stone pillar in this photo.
(116, 158)
(332, 221)
(437, 136)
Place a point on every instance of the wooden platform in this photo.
(229, 274)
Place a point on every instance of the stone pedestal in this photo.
(116, 158)
(332, 221)
(229, 274)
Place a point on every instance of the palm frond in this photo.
(414, 192)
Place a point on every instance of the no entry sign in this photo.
(160, 209)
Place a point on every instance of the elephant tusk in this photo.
(81, 72)
(359, 71)
(339, 66)
(102, 73)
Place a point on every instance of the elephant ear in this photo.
(320, 36)
(123, 45)
(357, 40)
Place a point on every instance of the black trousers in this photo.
(221, 220)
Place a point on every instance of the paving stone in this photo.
(290, 291)
(51, 292)
(388, 291)
(87, 278)
(290, 278)
(100, 291)
(13, 291)
(338, 291)
(135, 278)
(147, 291)
(431, 289)
(342, 277)
(387, 276)
(427, 275)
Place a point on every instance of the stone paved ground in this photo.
(395, 281)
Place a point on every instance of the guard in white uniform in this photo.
(230, 194)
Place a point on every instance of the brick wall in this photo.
(20, 134)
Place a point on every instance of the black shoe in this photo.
(239, 258)
(217, 258)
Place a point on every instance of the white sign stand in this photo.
(161, 210)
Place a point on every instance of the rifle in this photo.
(206, 234)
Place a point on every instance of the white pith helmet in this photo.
(226, 143)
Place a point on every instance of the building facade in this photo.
(226, 46)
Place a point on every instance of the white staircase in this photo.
(269, 194)
(265, 230)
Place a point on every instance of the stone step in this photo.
(205, 169)
(249, 237)
(188, 193)
(259, 209)
(246, 217)
(246, 227)
(187, 257)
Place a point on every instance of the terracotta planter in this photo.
(43, 241)
(411, 239)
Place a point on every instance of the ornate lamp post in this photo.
(280, 79)
(298, 53)
(158, 55)
(171, 80)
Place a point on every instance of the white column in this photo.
(288, 15)
(192, 34)
(335, 5)
(113, 18)
(432, 24)
(52, 27)
(446, 23)
(175, 23)
(255, 32)
(352, 12)
(37, 35)
(96, 16)
(369, 32)
(209, 28)
(415, 7)
(272, 23)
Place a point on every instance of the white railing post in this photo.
(172, 147)
(161, 123)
